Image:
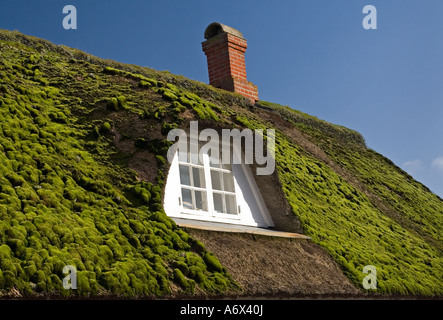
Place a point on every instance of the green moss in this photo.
(121, 101)
(197, 274)
(141, 193)
(113, 71)
(181, 266)
(169, 95)
(166, 127)
(212, 262)
(144, 84)
(178, 107)
(113, 104)
(105, 127)
(9, 279)
(346, 223)
(185, 284)
(161, 162)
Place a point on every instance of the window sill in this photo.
(235, 228)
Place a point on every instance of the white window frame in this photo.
(174, 203)
(208, 190)
(193, 188)
(224, 193)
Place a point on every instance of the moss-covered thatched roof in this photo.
(82, 172)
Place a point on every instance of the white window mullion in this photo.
(207, 172)
(222, 185)
(191, 182)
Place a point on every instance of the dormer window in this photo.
(204, 188)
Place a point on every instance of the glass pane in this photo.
(199, 177)
(214, 163)
(218, 202)
(184, 175)
(231, 205)
(200, 200)
(227, 166)
(228, 181)
(216, 180)
(187, 199)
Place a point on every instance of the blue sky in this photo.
(313, 55)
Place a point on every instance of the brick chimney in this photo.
(225, 51)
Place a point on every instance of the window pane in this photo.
(187, 199)
(200, 200)
(184, 175)
(218, 202)
(228, 181)
(199, 177)
(216, 180)
(214, 163)
(231, 205)
(227, 166)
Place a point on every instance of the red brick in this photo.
(225, 54)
